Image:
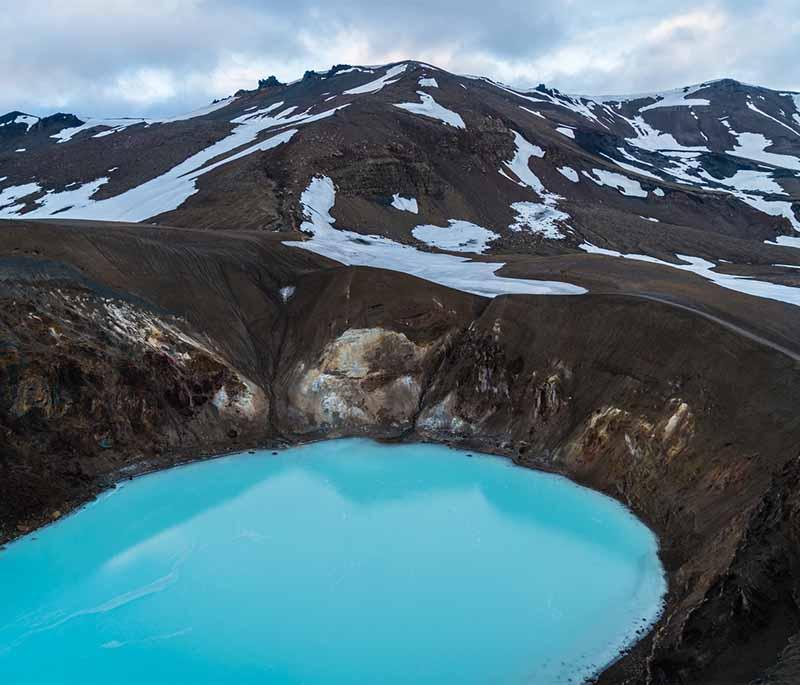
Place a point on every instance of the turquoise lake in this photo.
(336, 562)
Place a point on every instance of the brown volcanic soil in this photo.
(124, 348)
(772, 322)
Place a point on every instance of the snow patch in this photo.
(568, 132)
(351, 69)
(534, 112)
(405, 204)
(348, 247)
(796, 99)
(747, 179)
(519, 163)
(667, 98)
(678, 98)
(201, 112)
(648, 138)
(120, 124)
(169, 191)
(771, 207)
(55, 202)
(704, 269)
(458, 236)
(430, 108)
(577, 104)
(379, 83)
(26, 119)
(754, 145)
(631, 167)
(428, 83)
(540, 218)
(12, 194)
(67, 134)
(163, 193)
(752, 107)
(785, 241)
(626, 186)
(569, 173)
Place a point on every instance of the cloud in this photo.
(162, 56)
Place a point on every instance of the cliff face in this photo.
(87, 381)
(129, 349)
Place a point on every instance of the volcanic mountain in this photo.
(606, 287)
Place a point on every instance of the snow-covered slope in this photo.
(439, 163)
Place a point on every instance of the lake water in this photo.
(338, 562)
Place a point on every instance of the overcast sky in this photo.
(128, 57)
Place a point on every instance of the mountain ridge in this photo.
(713, 163)
(272, 81)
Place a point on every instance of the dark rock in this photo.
(269, 82)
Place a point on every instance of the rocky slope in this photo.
(127, 348)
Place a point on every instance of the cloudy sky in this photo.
(126, 57)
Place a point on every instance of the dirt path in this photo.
(722, 322)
